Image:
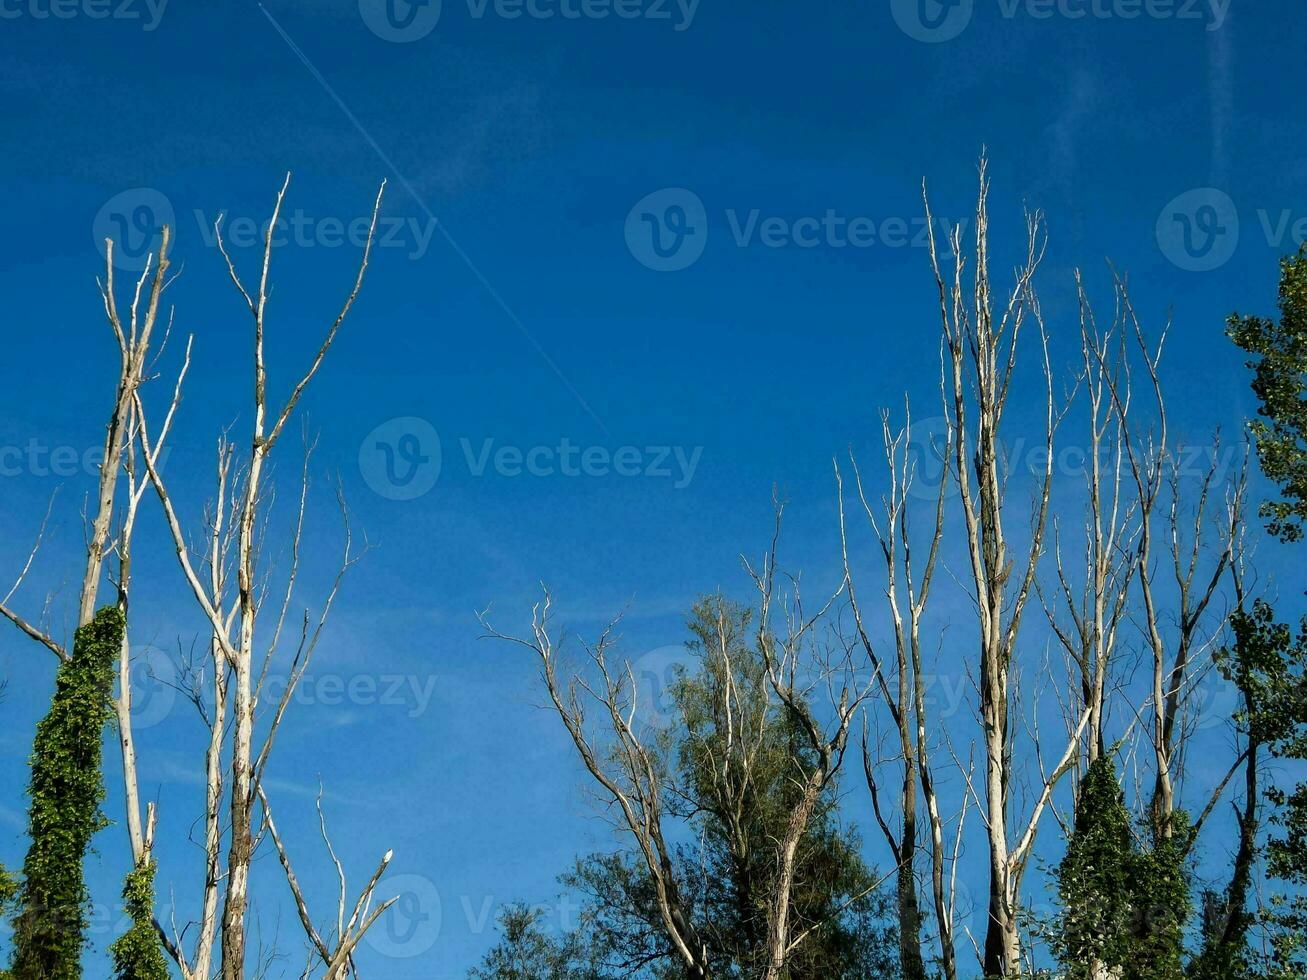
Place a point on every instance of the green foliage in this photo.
(1271, 667)
(1159, 889)
(1280, 381)
(1221, 958)
(1124, 908)
(743, 793)
(528, 952)
(1268, 665)
(64, 813)
(735, 813)
(1093, 878)
(8, 889)
(137, 953)
(1271, 670)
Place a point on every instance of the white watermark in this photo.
(405, 21)
(411, 925)
(668, 230)
(655, 674)
(134, 221)
(936, 21)
(931, 462)
(148, 13)
(39, 459)
(1201, 229)
(402, 459)
(304, 230)
(35, 458)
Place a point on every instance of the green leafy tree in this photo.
(1093, 878)
(65, 792)
(1255, 664)
(1158, 886)
(137, 954)
(527, 951)
(1275, 674)
(1270, 668)
(734, 796)
(738, 811)
(1279, 363)
(8, 889)
(1124, 908)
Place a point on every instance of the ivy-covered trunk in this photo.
(66, 790)
(1093, 880)
(137, 954)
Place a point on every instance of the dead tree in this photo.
(133, 339)
(981, 340)
(630, 772)
(225, 578)
(1088, 605)
(337, 950)
(628, 766)
(133, 336)
(1184, 507)
(908, 584)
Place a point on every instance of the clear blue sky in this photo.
(542, 310)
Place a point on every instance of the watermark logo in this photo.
(400, 459)
(401, 21)
(152, 676)
(928, 460)
(1212, 700)
(1201, 229)
(410, 693)
(134, 219)
(304, 230)
(412, 20)
(569, 459)
(148, 13)
(681, 12)
(38, 459)
(667, 230)
(411, 925)
(35, 458)
(932, 21)
(656, 674)
(1198, 231)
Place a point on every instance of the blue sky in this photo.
(777, 148)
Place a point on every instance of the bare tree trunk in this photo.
(631, 775)
(241, 845)
(980, 359)
(233, 656)
(906, 705)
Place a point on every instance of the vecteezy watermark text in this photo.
(148, 12)
(402, 459)
(134, 221)
(676, 463)
(304, 230)
(404, 21)
(929, 451)
(668, 230)
(37, 458)
(936, 21)
(679, 13)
